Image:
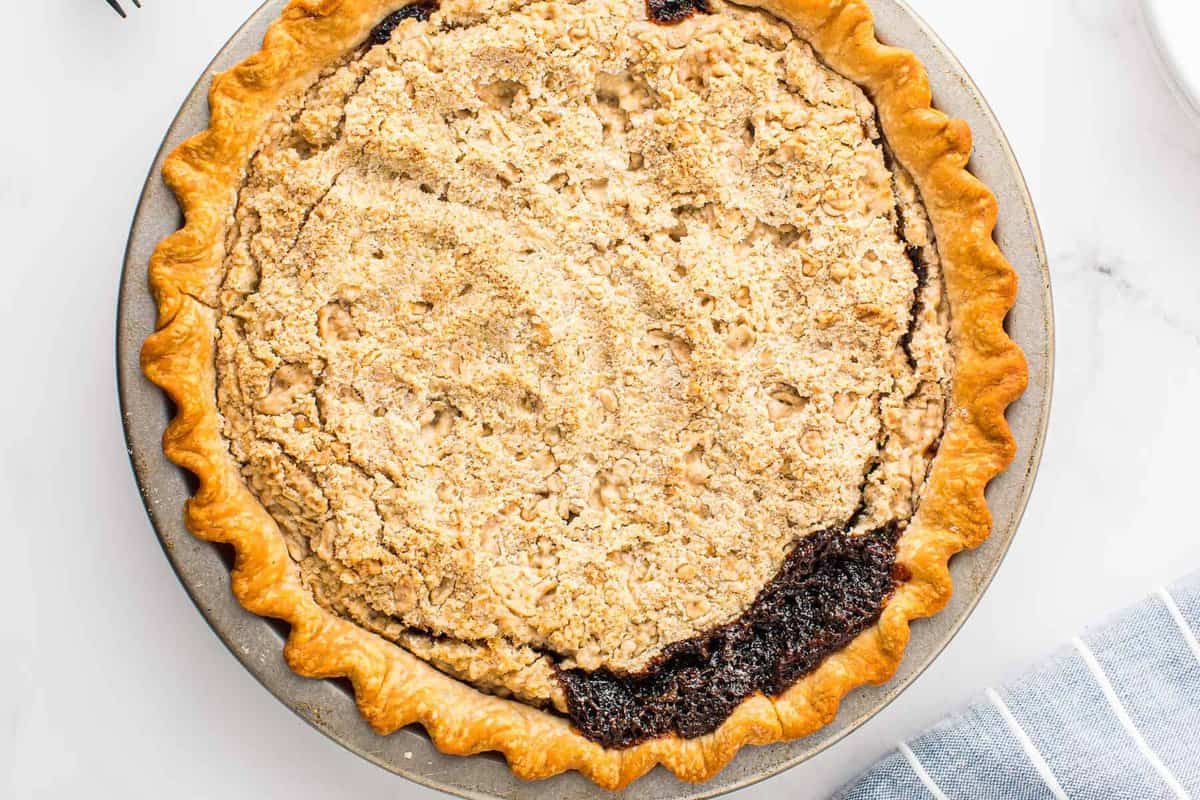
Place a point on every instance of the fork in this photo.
(117, 6)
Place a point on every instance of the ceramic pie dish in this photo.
(596, 390)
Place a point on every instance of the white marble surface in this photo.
(111, 684)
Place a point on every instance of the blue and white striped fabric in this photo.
(1114, 715)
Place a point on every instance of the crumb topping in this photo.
(547, 331)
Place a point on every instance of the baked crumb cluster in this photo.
(547, 331)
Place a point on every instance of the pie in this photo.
(602, 383)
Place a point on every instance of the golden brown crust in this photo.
(394, 688)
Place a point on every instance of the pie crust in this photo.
(393, 687)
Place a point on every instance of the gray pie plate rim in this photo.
(257, 643)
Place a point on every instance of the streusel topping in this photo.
(547, 331)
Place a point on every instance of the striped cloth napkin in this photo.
(1114, 715)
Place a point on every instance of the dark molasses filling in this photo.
(382, 33)
(670, 12)
(832, 587)
(914, 255)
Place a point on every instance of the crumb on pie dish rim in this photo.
(394, 688)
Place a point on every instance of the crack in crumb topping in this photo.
(546, 331)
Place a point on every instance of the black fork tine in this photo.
(117, 6)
